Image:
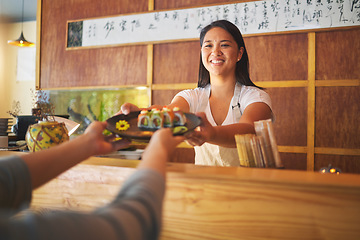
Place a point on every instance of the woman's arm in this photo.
(179, 102)
(224, 135)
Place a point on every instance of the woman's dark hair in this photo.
(242, 66)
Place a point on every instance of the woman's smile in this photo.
(217, 61)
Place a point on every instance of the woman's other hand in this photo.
(204, 133)
(126, 108)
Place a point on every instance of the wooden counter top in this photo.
(249, 174)
(223, 202)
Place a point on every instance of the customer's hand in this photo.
(98, 143)
(159, 151)
(163, 140)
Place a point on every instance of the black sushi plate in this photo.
(132, 131)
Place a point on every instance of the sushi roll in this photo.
(179, 117)
(144, 119)
(168, 117)
(157, 120)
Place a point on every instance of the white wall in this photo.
(10, 89)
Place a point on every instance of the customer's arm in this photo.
(20, 174)
(138, 206)
(134, 214)
(15, 187)
(159, 150)
(47, 164)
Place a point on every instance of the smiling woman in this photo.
(226, 99)
(229, 100)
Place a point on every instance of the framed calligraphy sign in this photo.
(250, 17)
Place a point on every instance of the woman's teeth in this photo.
(217, 61)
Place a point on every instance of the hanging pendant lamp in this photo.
(21, 41)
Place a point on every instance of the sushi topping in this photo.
(156, 119)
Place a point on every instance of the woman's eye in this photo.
(225, 45)
(207, 46)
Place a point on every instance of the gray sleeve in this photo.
(134, 214)
(15, 183)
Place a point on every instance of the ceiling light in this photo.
(21, 41)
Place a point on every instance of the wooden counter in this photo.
(223, 203)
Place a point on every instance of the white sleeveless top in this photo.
(198, 100)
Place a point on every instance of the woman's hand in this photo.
(204, 133)
(126, 108)
(101, 144)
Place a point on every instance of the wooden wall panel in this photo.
(169, 4)
(176, 62)
(122, 66)
(184, 155)
(86, 67)
(277, 57)
(338, 54)
(337, 117)
(347, 164)
(293, 161)
(286, 63)
(163, 97)
(289, 106)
